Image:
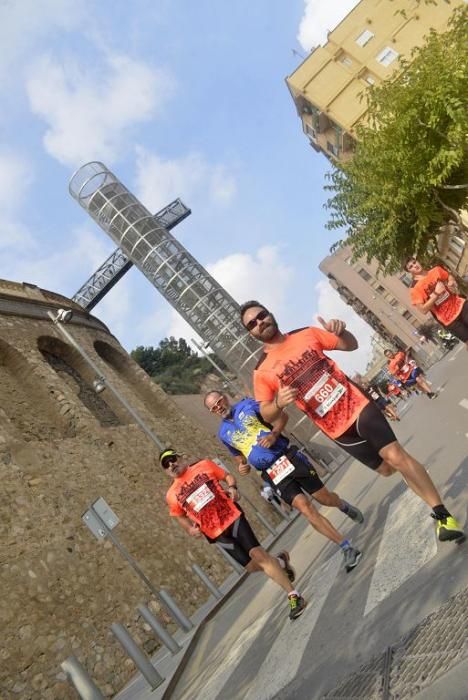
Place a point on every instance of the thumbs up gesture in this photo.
(333, 326)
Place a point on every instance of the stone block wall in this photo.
(61, 447)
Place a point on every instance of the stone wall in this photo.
(61, 447)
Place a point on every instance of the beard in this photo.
(267, 329)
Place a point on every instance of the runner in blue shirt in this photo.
(254, 443)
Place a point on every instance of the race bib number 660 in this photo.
(324, 394)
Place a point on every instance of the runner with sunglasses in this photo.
(294, 369)
(203, 508)
(254, 443)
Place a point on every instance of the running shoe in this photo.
(351, 558)
(354, 513)
(290, 572)
(448, 530)
(297, 606)
(432, 394)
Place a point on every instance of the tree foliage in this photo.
(174, 365)
(409, 173)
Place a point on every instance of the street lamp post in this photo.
(101, 382)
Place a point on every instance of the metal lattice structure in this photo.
(117, 264)
(177, 275)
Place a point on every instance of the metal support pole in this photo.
(182, 620)
(232, 562)
(110, 386)
(207, 581)
(140, 659)
(159, 629)
(78, 676)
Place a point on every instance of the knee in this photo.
(386, 469)
(258, 555)
(394, 456)
(324, 496)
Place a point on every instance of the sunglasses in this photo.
(216, 405)
(169, 461)
(259, 317)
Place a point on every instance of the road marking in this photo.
(226, 661)
(284, 658)
(408, 542)
(464, 403)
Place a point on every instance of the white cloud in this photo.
(159, 180)
(320, 17)
(16, 177)
(330, 305)
(89, 112)
(23, 23)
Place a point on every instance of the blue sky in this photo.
(178, 98)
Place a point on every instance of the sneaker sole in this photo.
(358, 519)
(350, 568)
(449, 537)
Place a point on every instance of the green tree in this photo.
(409, 173)
(174, 365)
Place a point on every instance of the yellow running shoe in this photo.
(448, 530)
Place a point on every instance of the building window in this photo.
(364, 274)
(406, 279)
(332, 149)
(369, 78)
(311, 132)
(347, 61)
(364, 38)
(380, 289)
(407, 315)
(394, 302)
(386, 56)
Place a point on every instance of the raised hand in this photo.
(285, 396)
(333, 326)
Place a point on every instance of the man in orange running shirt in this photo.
(202, 507)
(406, 371)
(436, 291)
(294, 369)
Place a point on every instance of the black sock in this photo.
(441, 512)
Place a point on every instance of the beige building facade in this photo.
(364, 49)
(383, 302)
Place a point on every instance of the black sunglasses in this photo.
(168, 461)
(259, 317)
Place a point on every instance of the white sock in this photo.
(281, 561)
(294, 593)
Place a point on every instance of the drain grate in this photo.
(416, 661)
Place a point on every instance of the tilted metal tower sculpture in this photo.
(175, 273)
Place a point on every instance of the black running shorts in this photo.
(367, 436)
(237, 540)
(459, 327)
(303, 478)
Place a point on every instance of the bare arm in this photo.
(190, 527)
(427, 306)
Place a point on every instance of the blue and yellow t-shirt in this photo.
(241, 431)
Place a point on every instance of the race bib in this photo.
(280, 469)
(324, 394)
(440, 300)
(199, 498)
(405, 368)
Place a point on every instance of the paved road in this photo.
(251, 650)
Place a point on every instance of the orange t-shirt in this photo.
(325, 393)
(448, 306)
(399, 367)
(198, 495)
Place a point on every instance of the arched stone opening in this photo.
(75, 372)
(155, 401)
(25, 399)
